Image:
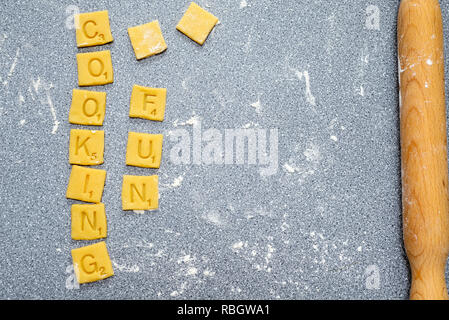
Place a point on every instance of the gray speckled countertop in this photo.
(325, 225)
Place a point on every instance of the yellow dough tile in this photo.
(140, 193)
(148, 103)
(88, 107)
(92, 263)
(147, 39)
(93, 29)
(94, 68)
(88, 221)
(197, 23)
(144, 150)
(86, 147)
(86, 184)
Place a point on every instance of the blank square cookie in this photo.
(148, 103)
(93, 29)
(197, 23)
(144, 150)
(92, 263)
(86, 147)
(140, 193)
(94, 68)
(88, 221)
(86, 184)
(147, 39)
(88, 107)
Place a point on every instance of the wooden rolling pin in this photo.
(423, 146)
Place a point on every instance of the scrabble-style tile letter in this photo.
(86, 147)
(86, 184)
(147, 39)
(88, 107)
(197, 23)
(92, 263)
(144, 150)
(148, 103)
(93, 29)
(94, 68)
(88, 221)
(140, 193)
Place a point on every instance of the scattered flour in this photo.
(258, 255)
(177, 182)
(238, 245)
(124, 268)
(192, 271)
(215, 217)
(256, 105)
(289, 168)
(194, 120)
(185, 259)
(208, 273)
(362, 91)
(45, 99)
(304, 169)
(12, 67)
(305, 74)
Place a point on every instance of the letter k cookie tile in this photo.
(86, 147)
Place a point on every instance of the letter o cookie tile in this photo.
(88, 107)
(94, 68)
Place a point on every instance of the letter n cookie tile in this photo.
(92, 263)
(88, 221)
(93, 29)
(148, 103)
(140, 193)
(86, 184)
(88, 107)
(144, 150)
(94, 68)
(86, 147)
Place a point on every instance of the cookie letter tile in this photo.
(88, 221)
(197, 23)
(93, 29)
(86, 147)
(140, 193)
(147, 39)
(88, 107)
(86, 184)
(148, 103)
(144, 150)
(94, 68)
(92, 263)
